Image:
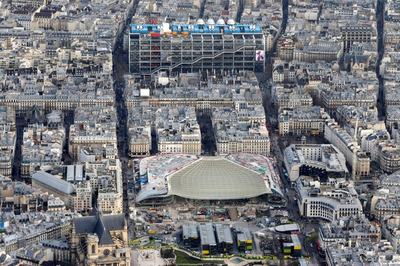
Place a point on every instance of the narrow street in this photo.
(240, 10)
(120, 67)
(68, 121)
(16, 169)
(277, 145)
(264, 78)
(282, 28)
(208, 144)
(270, 111)
(380, 24)
(202, 7)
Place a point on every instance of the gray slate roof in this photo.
(100, 225)
(53, 182)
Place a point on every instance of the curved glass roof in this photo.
(216, 178)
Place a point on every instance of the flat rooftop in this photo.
(198, 28)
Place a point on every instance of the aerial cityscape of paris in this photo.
(199, 132)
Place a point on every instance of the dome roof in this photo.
(210, 21)
(336, 67)
(200, 21)
(221, 21)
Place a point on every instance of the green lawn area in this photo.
(182, 259)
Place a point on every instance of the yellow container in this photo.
(152, 232)
(298, 247)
